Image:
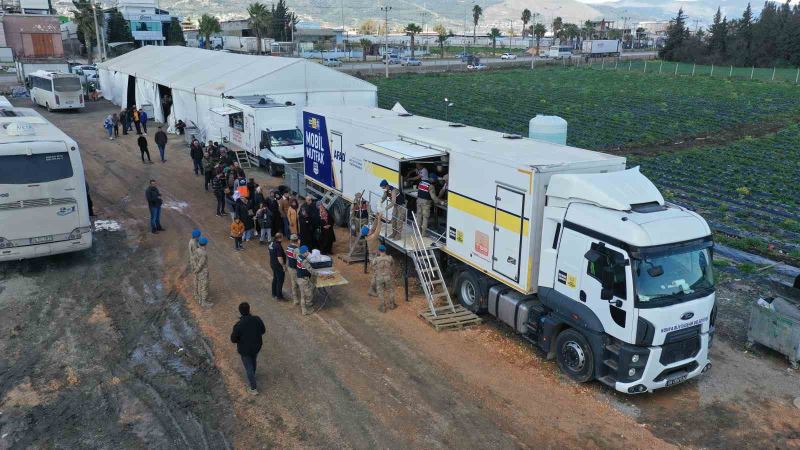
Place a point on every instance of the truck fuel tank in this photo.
(511, 307)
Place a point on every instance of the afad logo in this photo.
(313, 122)
(66, 210)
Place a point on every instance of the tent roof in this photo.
(221, 73)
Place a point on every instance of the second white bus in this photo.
(43, 203)
(55, 90)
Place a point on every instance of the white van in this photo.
(55, 90)
(559, 52)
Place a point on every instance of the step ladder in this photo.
(430, 274)
(242, 157)
(328, 199)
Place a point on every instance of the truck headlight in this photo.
(631, 372)
(635, 358)
(4, 243)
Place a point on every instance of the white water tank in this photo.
(548, 128)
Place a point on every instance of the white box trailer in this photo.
(497, 182)
(579, 255)
(597, 48)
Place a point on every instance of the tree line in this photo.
(772, 39)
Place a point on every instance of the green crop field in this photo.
(728, 148)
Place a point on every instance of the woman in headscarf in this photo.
(291, 214)
(326, 236)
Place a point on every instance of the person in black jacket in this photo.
(197, 156)
(154, 204)
(142, 141)
(247, 336)
(161, 142)
(218, 186)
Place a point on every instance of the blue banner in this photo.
(317, 152)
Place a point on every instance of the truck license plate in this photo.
(675, 381)
(42, 239)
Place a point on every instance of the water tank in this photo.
(548, 128)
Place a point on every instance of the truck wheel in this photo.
(341, 214)
(469, 292)
(273, 169)
(574, 356)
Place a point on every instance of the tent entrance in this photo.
(165, 94)
(131, 94)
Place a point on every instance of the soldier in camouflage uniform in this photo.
(382, 271)
(304, 281)
(200, 268)
(193, 248)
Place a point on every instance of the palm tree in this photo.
(526, 17)
(366, 44)
(494, 33)
(477, 12)
(442, 35)
(588, 29)
(84, 19)
(538, 32)
(207, 26)
(571, 31)
(558, 24)
(260, 18)
(412, 29)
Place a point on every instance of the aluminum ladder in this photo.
(430, 274)
(242, 157)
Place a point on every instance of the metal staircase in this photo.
(430, 274)
(242, 157)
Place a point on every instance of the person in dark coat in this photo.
(142, 141)
(124, 120)
(161, 142)
(277, 262)
(243, 213)
(326, 234)
(154, 202)
(196, 152)
(246, 335)
(307, 221)
(274, 209)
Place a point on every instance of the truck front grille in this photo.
(680, 345)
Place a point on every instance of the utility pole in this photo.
(533, 27)
(386, 10)
(97, 31)
(511, 35)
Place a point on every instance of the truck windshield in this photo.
(669, 278)
(283, 138)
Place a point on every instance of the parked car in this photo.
(508, 56)
(392, 59)
(332, 62)
(478, 66)
(464, 57)
(411, 62)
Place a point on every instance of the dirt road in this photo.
(108, 349)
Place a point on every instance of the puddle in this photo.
(107, 225)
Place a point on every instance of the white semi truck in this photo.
(598, 48)
(576, 253)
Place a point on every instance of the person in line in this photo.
(291, 263)
(237, 231)
(201, 273)
(208, 169)
(264, 218)
(397, 203)
(143, 119)
(243, 214)
(142, 141)
(384, 279)
(154, 204)
(196, 153)
(277, 261)
(230, 202)
(124, 120)
(136, 120)
(291, 216)
(161, 141)
(115, 122)
(193, 247)
(426, 196)
(275, 209)
(108, 124)
(304, 280)
(218, 186)
(326, 235)
(247, 335)
(283, 208)
(307, 221)
(359, 213)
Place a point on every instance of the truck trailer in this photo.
(577, 253)
(599, 48)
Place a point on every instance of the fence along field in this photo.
(727, 148)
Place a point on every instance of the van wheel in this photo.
(47, 105)
(574, 356)
(273, 169)
(341, 214)
(469, 292)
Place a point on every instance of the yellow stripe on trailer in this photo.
(392, 176)
(510, 222)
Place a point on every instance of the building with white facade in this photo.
(146, 20)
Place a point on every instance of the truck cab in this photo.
(632, 276)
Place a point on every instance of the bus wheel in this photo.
(47, 105)
(574, 355)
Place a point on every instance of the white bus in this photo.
(43, 203)
(55, 90)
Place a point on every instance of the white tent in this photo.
(199, 79)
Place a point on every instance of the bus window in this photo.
(67, 84)
(37, 168)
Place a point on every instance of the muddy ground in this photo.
(107, 349)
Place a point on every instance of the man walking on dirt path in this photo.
(277, 262)
(161, 142)
(291, 263)
(247, 336)
(200, 268)
(304, 281)
(193, 244)
(154, 204)
(142, 141)
(382, 267)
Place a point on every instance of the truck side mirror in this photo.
(606, 294)
(593, 256)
